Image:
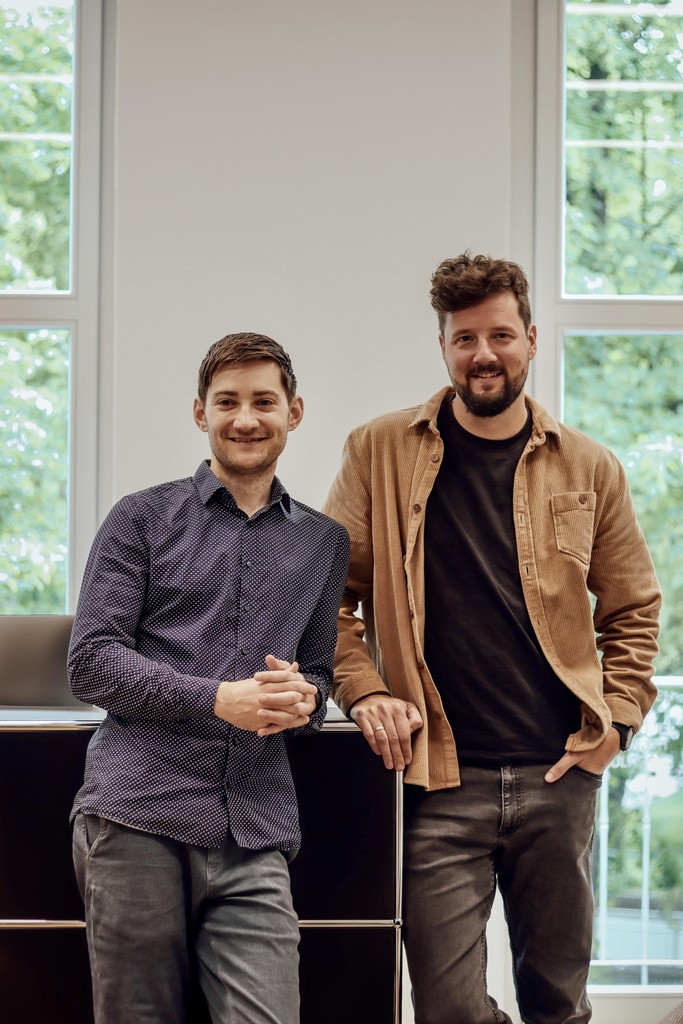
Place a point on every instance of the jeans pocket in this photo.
(93, 828)
(595, 776)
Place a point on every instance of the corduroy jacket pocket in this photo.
(573, 515)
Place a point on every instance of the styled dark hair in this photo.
(467, 280)
(242, 348)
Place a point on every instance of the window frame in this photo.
(557, 315)
(78, 309)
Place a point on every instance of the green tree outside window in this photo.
(36, 86)
(627, 391)
(623, 149)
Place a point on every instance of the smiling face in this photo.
(487, 350)
(247, 416)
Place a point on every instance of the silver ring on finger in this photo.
(379, 728)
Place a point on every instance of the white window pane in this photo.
(34, 385)
(623, 218)
(36, 89)
(627, 391)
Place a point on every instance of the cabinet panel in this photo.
(40, 774)
(45, 977)
(349, 974)
(346, 868)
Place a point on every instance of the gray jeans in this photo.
(160, 913)
(505, 827)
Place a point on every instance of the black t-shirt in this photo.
(504, 702)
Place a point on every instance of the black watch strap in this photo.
(625, 734)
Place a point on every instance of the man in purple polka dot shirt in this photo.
(206, 629)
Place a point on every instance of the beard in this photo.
(494, 404)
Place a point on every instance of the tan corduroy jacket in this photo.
(577, 535)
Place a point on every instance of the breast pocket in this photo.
(573, 515)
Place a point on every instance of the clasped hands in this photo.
(271, 701)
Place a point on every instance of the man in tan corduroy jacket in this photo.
(510, 609)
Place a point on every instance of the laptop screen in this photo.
(33, 651)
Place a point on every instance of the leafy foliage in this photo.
(627, 391)
(36, 55)
(623, 224)
(624, 161)
(33, 470)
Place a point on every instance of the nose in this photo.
(484, 353)
(245, 418)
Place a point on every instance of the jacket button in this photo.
(417, 507)
(435, 457)
(583, 499)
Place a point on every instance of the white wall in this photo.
(298, 168)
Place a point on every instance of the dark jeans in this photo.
(161, 913)
(507, 827)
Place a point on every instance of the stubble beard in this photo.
(233, 467)
(484, 405)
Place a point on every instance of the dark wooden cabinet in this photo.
(345, 880)
(44, 972)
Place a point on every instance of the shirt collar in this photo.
(430, 410)
(542, 422)
(208, 486)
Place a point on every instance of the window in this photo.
(34, 366)
(50, 66)
(623, 148)
(36, 108)
(627, 391)
(608, 281)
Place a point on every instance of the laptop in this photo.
(33, 652)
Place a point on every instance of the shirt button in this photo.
(417, 507)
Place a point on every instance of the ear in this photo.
(296, 413)
(442, 343)
(532, 341)
(199, 415)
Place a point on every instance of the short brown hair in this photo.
(467, 280)
(242, 348)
